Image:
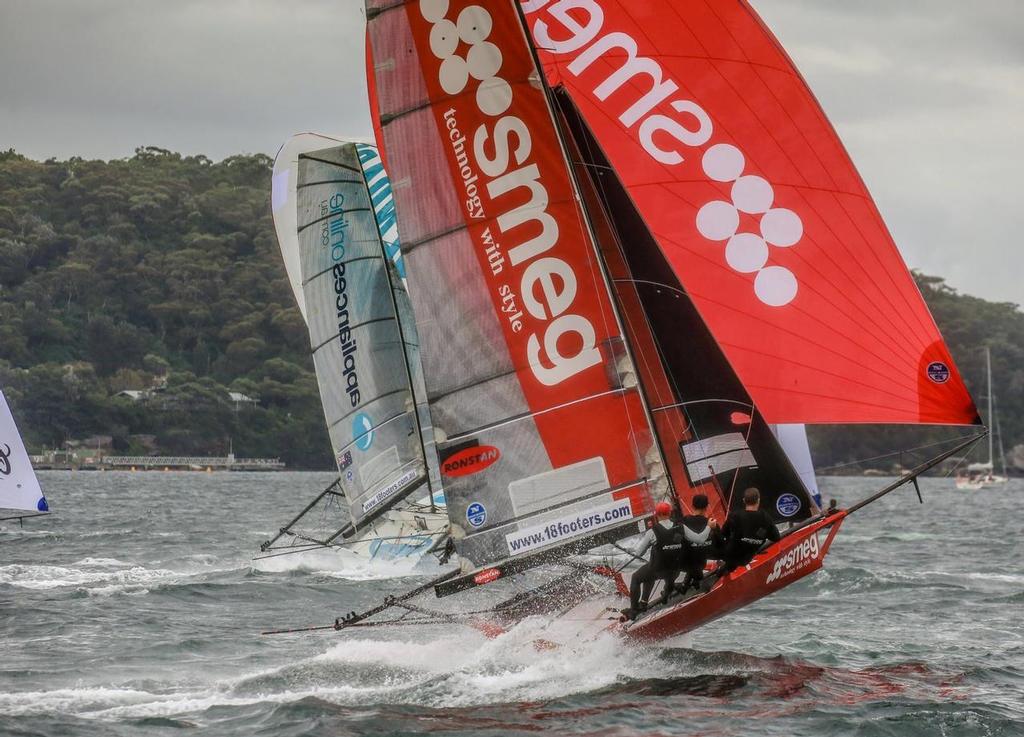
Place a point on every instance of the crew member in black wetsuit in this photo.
(700, 542)
(745, 533)
(666, 544)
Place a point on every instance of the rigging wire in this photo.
(676, 428)
(680, 425)
(861, 461)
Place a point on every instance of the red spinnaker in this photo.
(756, 204)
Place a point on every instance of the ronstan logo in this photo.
(487, 575)
(470, 460)
(5, 460)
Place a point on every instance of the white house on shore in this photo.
(238, 399)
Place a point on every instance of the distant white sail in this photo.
(793, 439)
(335, 220)
(19, 487)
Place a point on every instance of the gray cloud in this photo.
(928, 96)
(99, 78)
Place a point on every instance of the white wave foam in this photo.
(73, 700)
(467, 668)
(20, 532)
(979, 575)
(101, 576)
(203, 559)
(176, 705)
(459, 668)
(101, 563)
(53, 577)
(344, 564)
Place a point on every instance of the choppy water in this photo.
(137, 610)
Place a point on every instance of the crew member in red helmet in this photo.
(667, 546)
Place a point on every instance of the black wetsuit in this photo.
(667, 559)
(700, 544)
(744, 534)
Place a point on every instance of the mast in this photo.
(388, 268)
(698, 400)
(988, 373)
(993, 419)
(999, 432)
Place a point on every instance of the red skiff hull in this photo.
(795, 556)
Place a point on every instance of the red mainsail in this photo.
(371, 95)
(524, 361)
(757, 206)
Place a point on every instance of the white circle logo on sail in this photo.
(748, 253)
(482, 62)
(362, 431)
(788, 504)
(938, 372)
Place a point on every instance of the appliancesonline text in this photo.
(566, 528)
(333, 235)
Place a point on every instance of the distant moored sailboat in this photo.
(983, 475)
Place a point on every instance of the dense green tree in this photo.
(161, 271)
(144, 272)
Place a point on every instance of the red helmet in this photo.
(663, 509)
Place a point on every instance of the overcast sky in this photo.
(928, 96)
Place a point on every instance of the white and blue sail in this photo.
(282, 201)
(379, 186)
(793, 439)
(334, 215)
(19, 487)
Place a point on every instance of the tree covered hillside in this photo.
(155, 271)
(162, 272)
